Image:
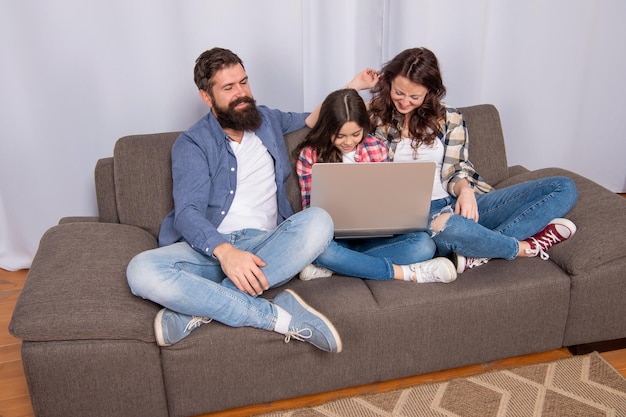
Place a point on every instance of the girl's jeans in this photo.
(188, 282)
(373, 258)
(506, 216)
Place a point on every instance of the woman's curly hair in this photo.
(420, 66)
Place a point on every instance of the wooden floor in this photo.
(15, 400)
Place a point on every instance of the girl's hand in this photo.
(365, 79)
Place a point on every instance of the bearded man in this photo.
(232, 233)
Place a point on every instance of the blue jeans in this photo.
(506, 216)
(188, 282)
(373, 258)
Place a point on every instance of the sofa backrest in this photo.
(135, 186)
(142, 170)
(486, 142)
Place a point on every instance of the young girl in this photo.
(471, 221)
(340, 136)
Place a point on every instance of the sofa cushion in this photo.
(94, 378)
(143, 175)
(582, 253)
(76, 287)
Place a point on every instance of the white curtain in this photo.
(77, 75)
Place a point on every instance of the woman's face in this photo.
(348, 137)
(407, 95)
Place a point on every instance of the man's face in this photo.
(232, 101)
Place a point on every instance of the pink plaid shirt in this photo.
(371, 149)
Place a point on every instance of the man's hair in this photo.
(209, 63)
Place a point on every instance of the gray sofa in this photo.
(89, 347)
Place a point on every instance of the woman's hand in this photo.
(466, 204)
(364, 80)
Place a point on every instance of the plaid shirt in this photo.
(454, 136)
(370, 149)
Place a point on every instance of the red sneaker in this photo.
(463, 263)
(557, 231)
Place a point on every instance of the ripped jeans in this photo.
(506, 216)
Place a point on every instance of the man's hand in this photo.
(243, 268)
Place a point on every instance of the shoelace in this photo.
(474, 262)
(298, 335)
(195, 322)
(427, 271)
(538, 248)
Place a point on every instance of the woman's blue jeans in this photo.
(188, 282)
(506, 216)
(373, 258)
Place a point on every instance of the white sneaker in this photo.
(464, 263)
(313, 271)
(434, 270)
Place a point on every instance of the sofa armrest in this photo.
(105, 190)
(79, 219)
(76, 287)
(599, 215)
(516, 170)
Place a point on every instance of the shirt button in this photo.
(232, 169)
(231, 191)
(223, 212)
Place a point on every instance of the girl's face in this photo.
(407, 95)
(350, 135)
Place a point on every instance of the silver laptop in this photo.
(374, 199)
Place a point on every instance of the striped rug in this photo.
(585, 386)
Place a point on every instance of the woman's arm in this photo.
(365, 79)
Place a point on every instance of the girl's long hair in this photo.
(420, 66)
(338, 108)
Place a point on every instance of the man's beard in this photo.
(246, 119)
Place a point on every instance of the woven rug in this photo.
(585, 386)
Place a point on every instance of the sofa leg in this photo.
(604, 346)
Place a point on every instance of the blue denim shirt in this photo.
(204, 174)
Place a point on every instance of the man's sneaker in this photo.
(171, 327)
(434, 270)
(555, 232)
(313, 271)
(307, 324)
(463, 263)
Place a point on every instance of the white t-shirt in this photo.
(348, 157)
(425, 153)
(254, 205)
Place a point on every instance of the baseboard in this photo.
(604, 346)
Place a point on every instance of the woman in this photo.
(470, 221)
(340, 136)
